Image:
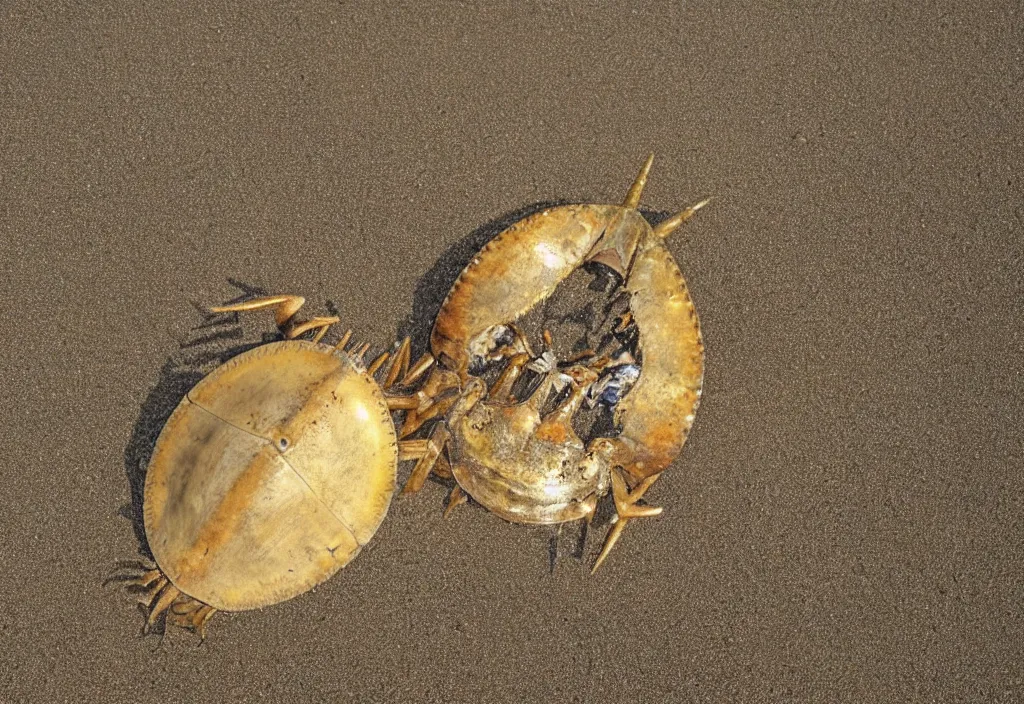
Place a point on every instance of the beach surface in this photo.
(844, 523)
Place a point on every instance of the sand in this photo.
(844, 523)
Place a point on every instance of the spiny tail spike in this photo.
(633, 197)
(666, 228)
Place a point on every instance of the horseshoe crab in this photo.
(507, 454)
(270, 476)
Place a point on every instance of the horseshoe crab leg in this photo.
(411, 449)
(192, 614)
(442, 467)
(502, 388)
(624, 322)
(416, 449)
(286, 308)
(200, 619)
(144, 579)
(439, 407)
(343, 341)
(431, 458)
(399, 365)
(166, 598)
(626, 508)
(377, 363)
(418, 369)
(159, 596)
(437, 384)
(555, 425)
(433, 448)
(148, 597)
(403, 403)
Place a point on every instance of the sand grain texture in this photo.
(844, 523)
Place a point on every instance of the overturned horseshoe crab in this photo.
(528, 466)
(270, 475)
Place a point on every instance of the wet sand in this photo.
(844, 523)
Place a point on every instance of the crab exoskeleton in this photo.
(509, 456)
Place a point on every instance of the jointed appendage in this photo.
(161, 598)
(286, 309)
(426, 453)
(626, 508)
(192, 615)
(501, 390)
(441, 387)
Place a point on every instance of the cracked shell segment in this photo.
(519, 267)
(658, 412)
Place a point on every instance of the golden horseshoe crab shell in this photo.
(269, 476)
(517, 461)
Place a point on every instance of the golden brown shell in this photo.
(270, 475)
(657, 414)
(522, 266)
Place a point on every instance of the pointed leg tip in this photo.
(637, 511)
(609, 542)
(457, 498)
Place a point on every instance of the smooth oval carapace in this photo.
(270, 475)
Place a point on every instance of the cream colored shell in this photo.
(270, 476)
